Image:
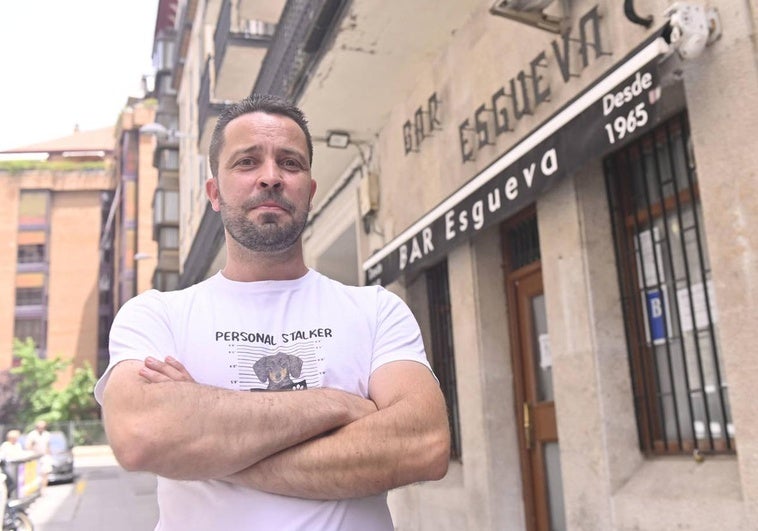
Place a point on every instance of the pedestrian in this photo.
(11, 447)
(38, 441)
(345, 406)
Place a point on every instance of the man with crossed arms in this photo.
(371, 416)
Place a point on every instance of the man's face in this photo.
(264, 186)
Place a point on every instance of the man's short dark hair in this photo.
(265, 103)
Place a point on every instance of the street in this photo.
(102, 496)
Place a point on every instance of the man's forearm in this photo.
(387, 449)
(184, 430)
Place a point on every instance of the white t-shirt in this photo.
(305, 333)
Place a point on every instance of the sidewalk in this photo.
(89, 456)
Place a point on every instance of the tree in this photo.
(36, 397)
(10, 401)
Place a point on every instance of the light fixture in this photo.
(142, 256)
(338, 139)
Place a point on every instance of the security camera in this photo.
(690, 28)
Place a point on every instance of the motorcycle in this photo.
(14, 508)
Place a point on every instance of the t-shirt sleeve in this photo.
(140, 329)
(398, 336)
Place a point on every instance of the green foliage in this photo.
(34, 388)
(17, 166)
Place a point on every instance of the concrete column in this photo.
(722, 101)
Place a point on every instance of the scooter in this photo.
(14, 509)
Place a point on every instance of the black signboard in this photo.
(617, 108)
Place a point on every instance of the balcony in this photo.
(166, 218)
(207, 110)
(240, 45)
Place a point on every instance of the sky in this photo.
(65, 63)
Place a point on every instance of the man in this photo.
(360, 413)
(38, 441)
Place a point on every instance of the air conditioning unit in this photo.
(531, 12)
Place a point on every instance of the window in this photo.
(165, 280)
(29, 296)
(33, 328)
(667, 295)
(166, 207)
(443, 355)
(33, 208)
(168, 238)
(30, 254)
(168, 159)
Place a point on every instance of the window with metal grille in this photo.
(443, 353)
(669, 309)
(523, 240)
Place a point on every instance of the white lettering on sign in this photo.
(418, 250)
(656, 309)
(628, 93)
(459, 221)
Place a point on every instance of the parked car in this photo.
(61, 458)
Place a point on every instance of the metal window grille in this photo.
(443, 354)
(523, 243)
(670, 313)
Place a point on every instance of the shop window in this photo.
(443, 353)
(670, 313)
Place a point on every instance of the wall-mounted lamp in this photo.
(337, 139)
(340, 139)
(142, 256)
(161, 131)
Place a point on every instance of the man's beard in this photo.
(271, 234)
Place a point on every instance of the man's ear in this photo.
(313, 191)
(212, 191)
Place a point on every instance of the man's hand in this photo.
(171, 370)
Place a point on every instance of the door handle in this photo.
(527, 427)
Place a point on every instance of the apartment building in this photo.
(563, 193)
(78, 225)
(55, 201)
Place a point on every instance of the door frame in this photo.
(535, 496)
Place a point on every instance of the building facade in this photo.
(77, 218)
(564, 196)
(56, 197)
